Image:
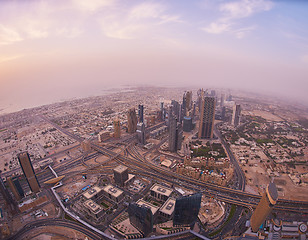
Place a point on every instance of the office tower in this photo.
(170, 115)
(141, 133)
(223, 113)
(187, 124)
(175, 109)
(222, 100)
(120, 175)
(264, 207)
(229, 98)
(200, 96)
(141, 217)
(186, 209)
(140, 113)
(187, 103)
(27, 168)
(207, 116)
(11, 204)
(213, 93)
(131, 120)
(236, 116)
(194, 110)
(163, 114)
(175, 135)
(15, 188)
(86, 145)
(117, 128)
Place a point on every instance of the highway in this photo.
(56, 222)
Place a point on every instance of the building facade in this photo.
(27, 168)
(264, 208)
(186, 209)
(131, 120)
(207, 117)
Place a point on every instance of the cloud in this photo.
(217, 27)
(92, 5)
(9, 36)
(231, 12)
(136, 21)
(9, 58)
(245, 8)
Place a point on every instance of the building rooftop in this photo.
(143, 203)
(91, 192)
(113, 191)
(168, 206)
(94, 207)
(120, 169)
(161, 189)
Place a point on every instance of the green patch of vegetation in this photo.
(104, 205)
(68, 217)
(264, 140)
(2, 130)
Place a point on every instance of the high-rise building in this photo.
(141, 133)
(140, 113)
(131, 120)
(86, 145)
(117, 128)
(222, 100)
(175, 135)
(120, 175)
(163, 113)
(141, 217)
(187, 102)
(11, 204)
(15, 188)
(223, 113)
(186, 209)
(264, 207)
(187, 124)
(207, 117)
(27, 168)
(236, 116)
(175, 109)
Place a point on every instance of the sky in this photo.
(61, 49)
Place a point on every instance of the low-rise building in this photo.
(168, 208)
(113, 193)
(93, 193)
(160, 192)
(93, 209)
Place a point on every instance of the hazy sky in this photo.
(57, 49)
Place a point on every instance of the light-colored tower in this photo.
(27, 168)
(207, 117)
(236, 116)
(86, 146)
(117, 128)
(131, 120)
(264, 207)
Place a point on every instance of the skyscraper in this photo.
(15, 188)
(131, 120)
(141, 133)
(141, 217)
(264, 207)
(222, 100)
(117, 128)
(236, 116)
(207, 117)
(27, 168)
(175, 109)
(11, 204)
(163, 114)
(120, 175)
(186, 209)
(175, 135)
(140, 113)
